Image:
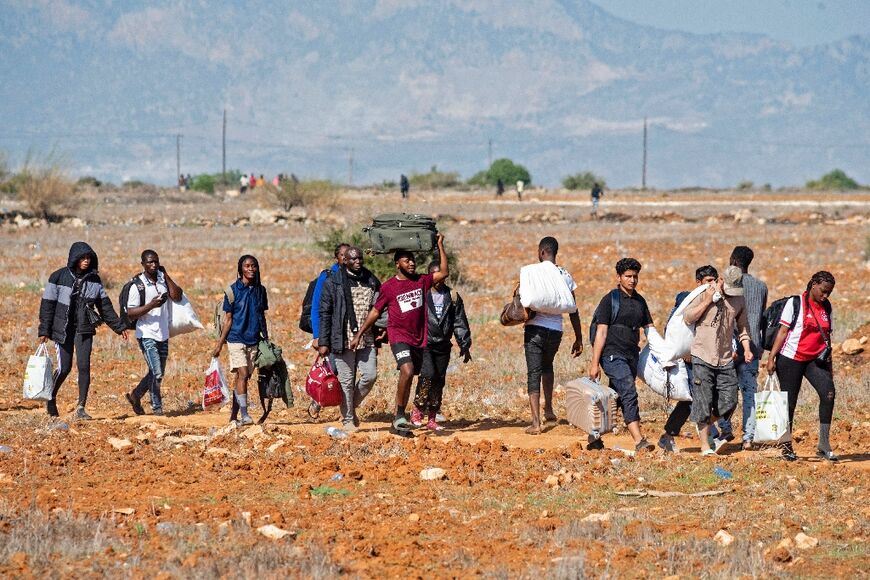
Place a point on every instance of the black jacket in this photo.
(336, 307)
(453, 322)
(54, 310)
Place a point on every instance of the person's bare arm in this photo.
(777, 346)
(175, 290)
(597, 347)
(370, 320)
(228, 322)
(444, 270)
(743, 335)
(699, 305)
(577, 347)
(139, 311)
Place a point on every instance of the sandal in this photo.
(532, 430)
(401, 427)
(551, 421)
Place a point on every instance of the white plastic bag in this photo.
(668, 379)
(216, 392)
(38, 376)
(543, 289)
(182, 317)
(678, 334)
(771, 414)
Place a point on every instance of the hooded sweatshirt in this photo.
(68, 292)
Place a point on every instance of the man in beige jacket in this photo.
(715, 314)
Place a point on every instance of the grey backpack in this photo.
(402, 231)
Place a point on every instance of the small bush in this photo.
(42, 184)
(313, 193)
(434, 179)
(836, 179)
(583, 180)
(207, 182)
(745, 185)
(88, 181)
(504, 169)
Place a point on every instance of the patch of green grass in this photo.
(849, 552)
(326, 490)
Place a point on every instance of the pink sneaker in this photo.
(416, 417)
(433, 425)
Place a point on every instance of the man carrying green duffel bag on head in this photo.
(402, 231)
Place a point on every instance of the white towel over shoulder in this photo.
(543, 289)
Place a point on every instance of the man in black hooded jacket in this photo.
(73, 305)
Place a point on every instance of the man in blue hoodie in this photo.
(340, 251)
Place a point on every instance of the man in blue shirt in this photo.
(245, 305)
(340, 251)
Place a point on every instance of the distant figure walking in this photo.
(404, 186)
(499, 188)
(182, 183)
(595, 194)
(520, 186)
(243, 184)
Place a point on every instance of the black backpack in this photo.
(129, 323)
(770, 319)
(614, 310)
(305, 317)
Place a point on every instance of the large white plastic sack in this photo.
(668, 379)
(678, 334)
(182, 317)
(543, 289)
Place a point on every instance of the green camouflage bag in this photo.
(402, 231)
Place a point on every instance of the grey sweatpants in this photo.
(714, 390)
(357, 371)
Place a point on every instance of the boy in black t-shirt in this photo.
(615, 348)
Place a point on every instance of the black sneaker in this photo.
(51, 407)
(788, 453)
(596, 445)
(135, 403)
(827, 455)
(81, 414)
(644, 445)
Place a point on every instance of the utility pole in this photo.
(490, 152)
(350, 168)
(177, 155)
(224, 162)
(643, 175)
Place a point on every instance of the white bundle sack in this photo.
(678, 334)
(182, 317)
(667, 378)
(39, 376)
(543, 289)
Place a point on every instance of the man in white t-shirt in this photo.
(541, 340)
(150, 310)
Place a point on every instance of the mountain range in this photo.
(560, 86)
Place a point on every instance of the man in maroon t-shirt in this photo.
(404, 297)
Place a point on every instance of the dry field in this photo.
(185, 498)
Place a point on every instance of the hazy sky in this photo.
(800, 22)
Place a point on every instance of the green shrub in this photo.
(836, 179)
(207, 182)
(382, 265)
(434, 179)
(583, 180)
(504, 169)
(88, 181)
(745, 185)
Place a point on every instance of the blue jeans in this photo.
(622, 373)
(747, 380)
(156, 353)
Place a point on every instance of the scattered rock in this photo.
(193, 438)
(433, 474)
(274, 446)
(252, 431)
(552, 480)
(414, 518)
(163, 433)
(273, 532)
(852, 346)
(723, 538)
(805, 542)
(166, 528)
(119, 443)
(782, 551)
(597, 518)
(224, 528)
(220, 451)
(246, 517)
(793, 484)
(127, 511)
(862, 340)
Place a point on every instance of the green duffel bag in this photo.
(402, 231)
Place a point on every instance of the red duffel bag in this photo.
(322, 385)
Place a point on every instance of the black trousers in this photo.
(433, 376)
(791, 374)
(80, 344)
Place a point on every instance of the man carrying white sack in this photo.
(548, 290)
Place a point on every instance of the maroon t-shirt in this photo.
(406, 309)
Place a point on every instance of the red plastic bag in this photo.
(216, 392)
(322, 385)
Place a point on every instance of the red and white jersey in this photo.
(805, 341)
